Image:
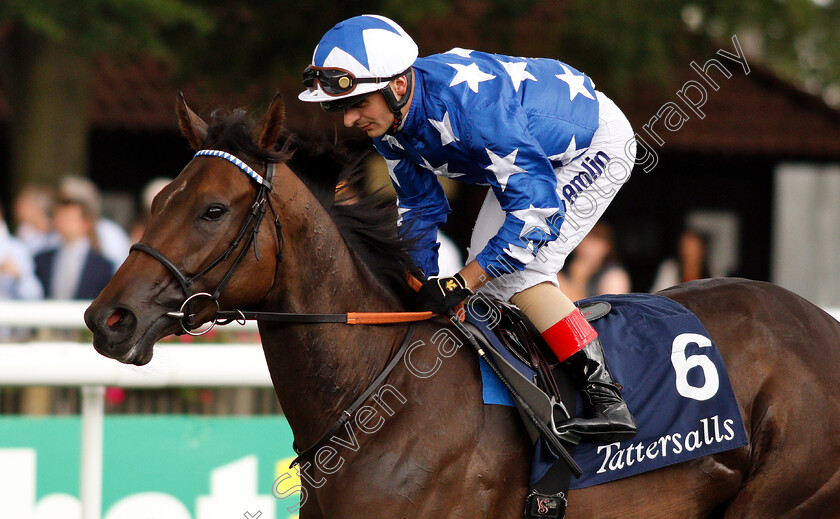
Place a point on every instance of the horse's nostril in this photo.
(115, 317)
(119, 324)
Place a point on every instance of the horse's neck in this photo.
(318, 369)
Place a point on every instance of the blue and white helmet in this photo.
(372, 48)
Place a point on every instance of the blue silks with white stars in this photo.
(491, 120)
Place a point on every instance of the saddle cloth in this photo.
(673, 380)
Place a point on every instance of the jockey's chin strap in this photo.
(395, 105)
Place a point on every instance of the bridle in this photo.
(186, 316)
(255, 216)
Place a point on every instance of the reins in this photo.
(227, 316)
(186, 317)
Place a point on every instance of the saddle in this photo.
(525, 359)
(530, 366)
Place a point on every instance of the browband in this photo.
(236, 162)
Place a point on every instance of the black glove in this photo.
(440, 295)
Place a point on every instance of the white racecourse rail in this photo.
(78, 364)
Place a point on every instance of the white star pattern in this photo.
(469, 74)
(458, 51)
(342, 59)
(400, 212)
(520, 254)
(426, 164)
(392, 164)
(444, 126)
(516, 71)
(576, 83)
(390, 139)
(572, 151)
(535, 218)
(443, 171)
(503, 167)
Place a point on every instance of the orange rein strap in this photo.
(387, 317)
(227, 316)
(392, 317)
(224, 317)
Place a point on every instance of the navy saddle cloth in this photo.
(674, 382)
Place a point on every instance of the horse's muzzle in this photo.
(112, 327)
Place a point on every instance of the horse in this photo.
(426, 446)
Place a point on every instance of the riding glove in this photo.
(440, 295)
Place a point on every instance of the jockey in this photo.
(553, 150)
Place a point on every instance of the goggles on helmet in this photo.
(337, 81)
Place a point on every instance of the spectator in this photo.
(690, 262)
(33, 212)
(75, 269)
(149, 193)
(112, 240)
(594, 267)
(17, 273)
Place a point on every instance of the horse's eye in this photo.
(213, 213)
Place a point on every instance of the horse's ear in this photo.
(270, 127)
(193, 128)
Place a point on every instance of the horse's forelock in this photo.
(231, 131)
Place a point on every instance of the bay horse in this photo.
(436, 451)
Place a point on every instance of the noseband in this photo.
(185, 315)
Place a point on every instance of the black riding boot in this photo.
(605, 416)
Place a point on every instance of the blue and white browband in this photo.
(236, 162)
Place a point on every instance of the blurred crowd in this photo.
(55, 244)
(594, 267)
(60, 246)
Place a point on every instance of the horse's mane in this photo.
(365, 221)
(231, 131)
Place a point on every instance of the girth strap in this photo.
(347, 415)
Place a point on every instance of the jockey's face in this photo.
(372, 115)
